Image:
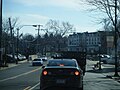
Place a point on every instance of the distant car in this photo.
(9, 58)
(44, 58)
(104, 58)
(20, 57)
(111, 60)
(37, 62)
(61, 73)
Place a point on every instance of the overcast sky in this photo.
(40, 11)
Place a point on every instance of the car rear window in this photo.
(37, 60)
(62, 63)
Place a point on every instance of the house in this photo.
(88, 41)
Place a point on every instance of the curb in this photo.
(108, 76)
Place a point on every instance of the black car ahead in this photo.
(61, 73)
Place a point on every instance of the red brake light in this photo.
(45, 72)
(61, 64)
(77, 73)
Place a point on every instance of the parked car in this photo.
(111, 60)
(104, 58)
(20, 57)
(9, 58)
(37, 62)
(44, 58)
(61, 73)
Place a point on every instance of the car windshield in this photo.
(62, 63)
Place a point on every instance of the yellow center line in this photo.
(27, 88)
(20, 75)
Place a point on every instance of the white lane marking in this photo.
(20, 75)
(27, 88)
(34, 86)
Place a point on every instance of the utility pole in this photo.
(38, 37)
(115, 40)
(37, 49)
(0, 32)
(12, 41)
(17, 44)
(99, 45)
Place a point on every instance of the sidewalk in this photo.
(10, 65)
(109, 71)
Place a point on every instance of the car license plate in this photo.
(60, 81)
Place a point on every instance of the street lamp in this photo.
(99, 45)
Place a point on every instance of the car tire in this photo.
(81, 87)
(41, 88)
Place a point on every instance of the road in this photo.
(21, 77)
(26, 77)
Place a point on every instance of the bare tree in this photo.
(57, 28)
(112, 9)
(67, 28)
(6, 39)
(28, 37)
(6, 27)
(107, 25)
(107, 7)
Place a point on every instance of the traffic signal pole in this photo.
(38, 38)
(39, 28)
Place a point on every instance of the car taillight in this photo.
(77, 73)
(61, 65)
(45, 72)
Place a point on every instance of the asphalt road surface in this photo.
(21, 77)
(26, 77)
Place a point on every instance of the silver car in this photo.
(37, 62)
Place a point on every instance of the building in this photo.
(93, 43)
(74, 42)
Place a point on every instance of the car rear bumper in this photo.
(65, 82)
(37, 64)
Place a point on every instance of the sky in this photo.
(32, 12)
